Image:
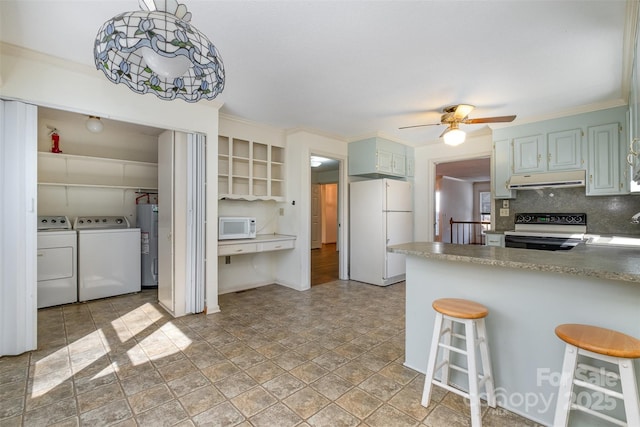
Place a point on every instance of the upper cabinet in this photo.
(604, 173)
(593, 142)
(379, 157)
(502, 170)
(555, 151)
(250, 170)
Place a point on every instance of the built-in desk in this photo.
(262, 243)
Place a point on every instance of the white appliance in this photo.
(381, 214)
(230, 227)
(108, 257)
(57, 258)
(147, 222)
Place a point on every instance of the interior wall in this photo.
(456, 201)
(294, 270)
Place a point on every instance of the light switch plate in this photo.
(504, 212)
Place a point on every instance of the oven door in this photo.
(540, 242)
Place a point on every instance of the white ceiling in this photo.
(354, 68)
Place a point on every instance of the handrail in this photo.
(468, 232)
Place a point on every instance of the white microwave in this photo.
(234, 227)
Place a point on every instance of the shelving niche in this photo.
(250, 170)
(69, 170)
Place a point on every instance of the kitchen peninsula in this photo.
(528, 293)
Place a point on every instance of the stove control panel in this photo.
(552, 219)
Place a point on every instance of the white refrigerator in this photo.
(380, 214)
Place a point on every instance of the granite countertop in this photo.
(616, 263)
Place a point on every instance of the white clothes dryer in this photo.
(57, 262)
(108, 257)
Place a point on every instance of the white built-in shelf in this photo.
(69, 170)
(249, 170)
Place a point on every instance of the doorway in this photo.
(325, 255)
(460, 187)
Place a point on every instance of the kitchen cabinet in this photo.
(250, 170)
(594, 142)
(604, 175)
(502, 170)
(564, 150)
(379, 157)
(58, 169)
(529, 154)
(494, 239)
(560, 150)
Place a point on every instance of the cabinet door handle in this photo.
(548, 157)
(591, 179)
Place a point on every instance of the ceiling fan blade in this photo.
(463, 111)
(497, 119)
(417, 126)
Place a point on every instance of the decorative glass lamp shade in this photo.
(156, 50)
(454, 136)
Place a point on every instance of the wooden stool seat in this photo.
(460, 308)
(599, 344)
(459, 328)
(600, 340)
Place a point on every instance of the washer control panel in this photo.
(98, 222)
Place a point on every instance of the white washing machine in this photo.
(57, 262)
(108, 257)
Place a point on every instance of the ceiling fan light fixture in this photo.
(93, 124)
(156, 50)
(454, 136)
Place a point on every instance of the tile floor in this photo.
(330, 356)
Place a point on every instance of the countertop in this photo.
(615, 263)
(260, 238)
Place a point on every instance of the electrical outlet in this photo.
(281, 211)
(505, 204)
(504, 212)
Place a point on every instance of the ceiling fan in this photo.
(456, 114)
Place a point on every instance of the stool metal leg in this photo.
(563, 405)
(630, 392)
(474, 396)
(431, 364)
(487, 372)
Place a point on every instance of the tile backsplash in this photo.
(605, 214)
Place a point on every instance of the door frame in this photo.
(342, 245)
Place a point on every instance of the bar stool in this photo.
(471, 315)
(599, 344)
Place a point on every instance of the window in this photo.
(485, 206)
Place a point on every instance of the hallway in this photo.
(325, 264)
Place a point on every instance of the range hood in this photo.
(547, 180)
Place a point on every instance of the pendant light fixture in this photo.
(156, 50)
